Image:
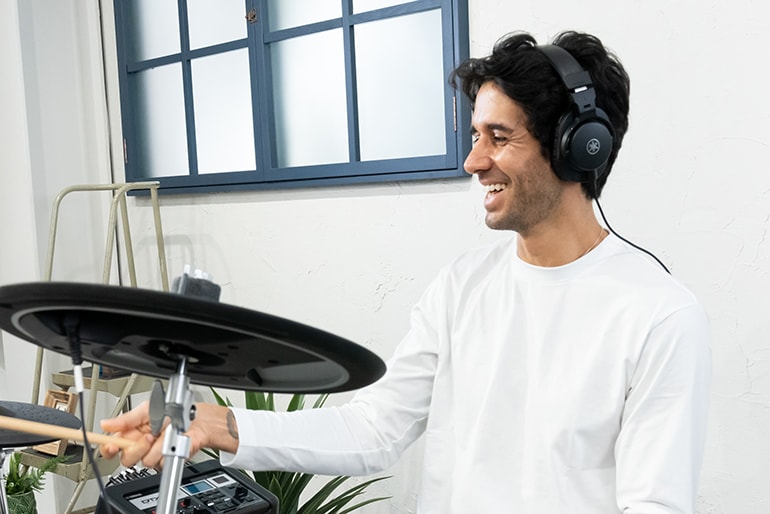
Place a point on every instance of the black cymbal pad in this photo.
(149, 332)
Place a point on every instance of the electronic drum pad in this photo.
(37, 413)
(148, 332)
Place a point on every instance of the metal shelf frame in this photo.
(79, 469)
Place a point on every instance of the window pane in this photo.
(162, 145)
(153, 27)
(401, 87)
(223, 115)
(309, 99)
(370, 5)
(213, 22)
(284, 14)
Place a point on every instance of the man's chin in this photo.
(495, 223)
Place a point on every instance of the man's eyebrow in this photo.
(492, 126)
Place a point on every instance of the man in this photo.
(560, 370)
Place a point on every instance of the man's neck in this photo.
(561, 239)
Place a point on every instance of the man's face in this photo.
(522, 190)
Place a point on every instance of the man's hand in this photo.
(213, 427)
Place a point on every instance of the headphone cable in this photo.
(71, 325)
(601, 211)
(595, 176)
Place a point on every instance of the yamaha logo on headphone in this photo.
(584, 135)
(593, 147)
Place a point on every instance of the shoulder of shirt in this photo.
(634, 269)
(475, 262)
(477, 256)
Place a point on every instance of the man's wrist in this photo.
(232, 425)
(219, 427)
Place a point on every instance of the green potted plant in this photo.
(288, 486)
(21, 483)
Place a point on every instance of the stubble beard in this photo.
(534, 199)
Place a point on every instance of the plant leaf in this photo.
(219, 399)
(335, 504)
(363, 504)
(320, 400)
(254, 400)
(293, 491)
(297, 403)
(21, 479)
(315, 503)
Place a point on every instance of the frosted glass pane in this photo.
(155, 25)
(213, 22)
(293, 13)
(161, 122)
(309, 99)
(223, 115)
(370, 5)
(401, 87)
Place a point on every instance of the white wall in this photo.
(18, 257)
(689, 185)
(17, 216)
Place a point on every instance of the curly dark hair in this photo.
(526, 76)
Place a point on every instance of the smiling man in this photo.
(560, 370)
(524, 195)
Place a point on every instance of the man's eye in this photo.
(495, 140)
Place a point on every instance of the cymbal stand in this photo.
(176, 445)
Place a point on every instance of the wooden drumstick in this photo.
(33, 427)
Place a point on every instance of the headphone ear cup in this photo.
(582, 145)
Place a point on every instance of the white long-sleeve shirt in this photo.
(579, 389)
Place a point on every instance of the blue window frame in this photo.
(233, 94)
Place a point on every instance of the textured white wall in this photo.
(689, 184)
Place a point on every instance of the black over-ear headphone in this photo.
(584, 135)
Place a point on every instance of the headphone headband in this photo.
(572, 74)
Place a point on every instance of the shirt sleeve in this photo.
(660, 445)
(364, 436)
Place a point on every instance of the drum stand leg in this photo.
(176, 445)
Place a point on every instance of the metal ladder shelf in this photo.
(78, 468)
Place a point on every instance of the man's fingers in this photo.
(137, 451)
(108, 451)
(132, 419)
